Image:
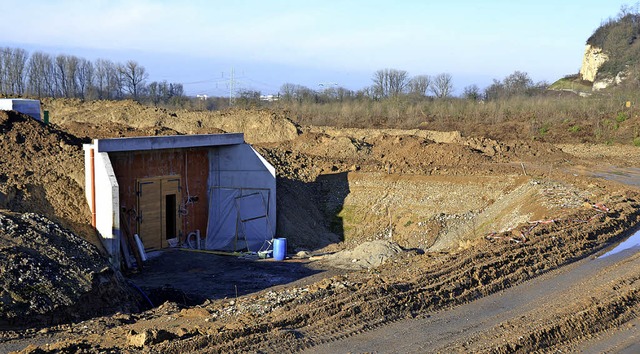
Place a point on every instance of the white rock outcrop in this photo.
(592, 61)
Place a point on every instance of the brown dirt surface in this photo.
(457, 220)
(41, 170)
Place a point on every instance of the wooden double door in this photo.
(158, 210)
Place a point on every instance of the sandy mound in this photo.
(367, 255)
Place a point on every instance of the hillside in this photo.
(612, 53)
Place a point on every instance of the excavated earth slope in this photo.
(428, 220)
(49, 274)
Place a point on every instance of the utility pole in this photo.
(232, 89)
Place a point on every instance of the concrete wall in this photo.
(107, 201)
(25, 106)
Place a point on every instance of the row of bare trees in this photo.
(393, 82)
(43, 75)
(387, 83)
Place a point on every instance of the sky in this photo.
(260, 45)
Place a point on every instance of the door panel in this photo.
(149, 213)
(170, 198)
(158, 210)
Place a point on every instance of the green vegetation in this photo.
(618, 38)
(574, 129)
(544, 129)
(621, 117)
(571, 83)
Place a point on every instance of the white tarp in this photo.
(238, 219)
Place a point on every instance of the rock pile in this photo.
(49, 275)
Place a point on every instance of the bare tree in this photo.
(84, 78)
(343, 93)
(13, 63)
(300, 93)
(287, 91)
(153, 91)
(18, 70)
(419, 85)
(3, 70)
(442, 85)
(60, 74)
(494, 91)
(517, 83)
(40, 75)
(107, 79)
(472, 92)
(389, 82)
(134, 77)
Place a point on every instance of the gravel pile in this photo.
(49, 275)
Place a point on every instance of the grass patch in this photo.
(343, 222)
(544, 129)
(621, 117)
(571, 84)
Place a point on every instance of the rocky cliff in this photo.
(591, 62)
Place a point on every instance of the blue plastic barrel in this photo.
(279, 249)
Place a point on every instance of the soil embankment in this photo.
(390, 225)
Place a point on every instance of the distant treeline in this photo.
(43, 75)
(397, 84)
(40, 74)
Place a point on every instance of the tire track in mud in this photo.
(603, 296)
(431, 283)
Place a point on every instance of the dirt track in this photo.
(475, 216)
(524, 316)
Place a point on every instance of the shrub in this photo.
(621, 117)
(544, 129)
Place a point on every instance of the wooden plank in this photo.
(150, 213)
(126, 232)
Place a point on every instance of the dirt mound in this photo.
(89, 131)
(49, 275)
(358, 185)
(41, 170)
(258, 126)
(365, 256)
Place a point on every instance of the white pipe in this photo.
(197, 239)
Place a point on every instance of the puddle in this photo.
(629, 175)
(633, 242)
